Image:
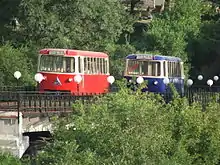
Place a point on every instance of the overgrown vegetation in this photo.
(134, 128)
(122, 128)
(189, 30)
(7, 159)
(13, 59)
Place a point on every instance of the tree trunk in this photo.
(133, 4)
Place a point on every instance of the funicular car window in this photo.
(133, 67)
(51, 63)
(79, 64)
(85, 65)
(150, 68)
(98, 66)
(174, 69)
(95, 65)
(69, 64)
(105, 67)
(144, 68)
(102, 65)
(57, 63)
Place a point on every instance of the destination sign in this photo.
(55, 52)
(144, 56)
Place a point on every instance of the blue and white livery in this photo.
(157, 70)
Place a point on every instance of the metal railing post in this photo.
(18, 106)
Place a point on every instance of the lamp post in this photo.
(38, 78)
(140, 80)
(210, 83)
(167, 93)
(78, 78)
(17, 75)
(189, 83)
(110, 80)
(166, 81)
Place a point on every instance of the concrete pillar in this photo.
(11, 138)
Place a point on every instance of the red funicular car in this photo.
(76, 71)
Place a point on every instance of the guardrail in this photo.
(52, 102)
(18, 88)
(35, 102)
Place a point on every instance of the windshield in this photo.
(143, 68)
(51, 63)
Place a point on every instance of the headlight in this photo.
(155, 82)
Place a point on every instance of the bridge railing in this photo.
(50, 102)
(35, 102)
(18, 88)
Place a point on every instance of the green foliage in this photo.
(75, 24)
(196, 134)
(110, 132)
(135, 128)
(205, 50)
(8, 10)
(171, 32)
(7, 159)
(14, 60)
(117, 58)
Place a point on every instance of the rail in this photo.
(35, 102)
(52, 102)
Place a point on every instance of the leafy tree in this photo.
(115, 130)
(133, 3)
(205, 49)
(171, 32)
(134, 128)
(12, 60)
(117, 58)
(76, 24)
(8, 11)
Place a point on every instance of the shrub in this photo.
(7, 159)
(12, 60)
(135, 128)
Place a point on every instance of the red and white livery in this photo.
(76, 71)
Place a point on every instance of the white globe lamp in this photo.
(216, 78)
(17, 74)
(38, 77)
(77, 79)
(166, 81)
(209, 82)
(189, 82)
(140, 80)
(111, 79)
(200, 77)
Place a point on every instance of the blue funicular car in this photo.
(157, 70)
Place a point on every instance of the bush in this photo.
(7, 159)
(134, 128)
(12, 60)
